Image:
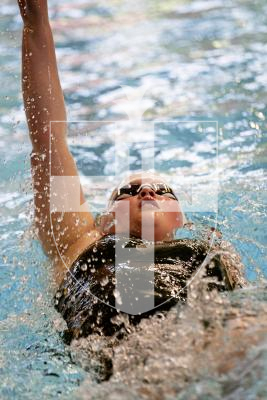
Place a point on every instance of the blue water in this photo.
(201, 61)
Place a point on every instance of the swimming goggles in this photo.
(132, 189)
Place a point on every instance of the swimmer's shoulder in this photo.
(63, 262)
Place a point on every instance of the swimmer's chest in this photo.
(111, 255)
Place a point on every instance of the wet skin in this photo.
(135, 214)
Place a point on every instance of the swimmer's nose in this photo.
(147, 193)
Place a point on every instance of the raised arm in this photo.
(44, 102)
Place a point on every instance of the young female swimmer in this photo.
(143, 206)
(44, 102)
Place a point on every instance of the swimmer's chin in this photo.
(149, 235)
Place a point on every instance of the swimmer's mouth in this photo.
(149, 204)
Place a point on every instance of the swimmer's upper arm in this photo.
(57, 231)
(44, 102)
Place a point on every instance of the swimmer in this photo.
(44, 102)
(78, 234)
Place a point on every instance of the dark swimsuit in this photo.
(88, 287)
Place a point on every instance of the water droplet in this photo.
(104, 281)
(84, 267)
(117, 296)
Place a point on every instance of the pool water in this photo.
(201, 61)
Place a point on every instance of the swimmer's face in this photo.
(147, 214)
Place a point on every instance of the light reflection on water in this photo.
(201, 61)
